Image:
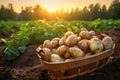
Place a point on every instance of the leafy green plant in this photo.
(35, 32)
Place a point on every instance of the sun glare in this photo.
(51, 9)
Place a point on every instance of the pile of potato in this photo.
(72, 46)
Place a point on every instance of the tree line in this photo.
(91, 12)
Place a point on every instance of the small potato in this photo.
(102, 35)
(71, 40)
(83, 45)
(62, 41)
(45, 54)
(84, 29)
(107, 42)
(75, 46)
(38, 49)
(47, 44)
(88, 54)
(92, 32)
(95, 45)
(55, 42)
(62, 50)
(56, 58)
(76, 52)
(67, 34)
(53, 51)
(85, 35)
(67, 60)
(79, 38)
(66, 55)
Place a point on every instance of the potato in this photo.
(76, 52)
(85, 35)
(47, 44)
(75, 46)
(96, 45)
(45, 54)
(83, 45)
(56, 58)
(67, 60)
(62, 41)
(55, 42)
(84, 29)
(79, 38)
(92, 32)
(66, 55)
(88, 54)
(62, 50)
(38, 49)
(107, 42)
(102, 35)
(53, 51)
(67, 34)
(71, 40)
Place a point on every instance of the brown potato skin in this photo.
(85, 35)
(53, 51)
(76, 52)
(83, 45)
(95, 45)
(67, 34)
(62, 50)
(83, 29)
(47, 44)
(56, 58)
(71, 40)
(107, 42)
(67, 55)
(62, 41)
(45, 54)
(92, 32)
(55, 42)
(88, 54)
(79, 38)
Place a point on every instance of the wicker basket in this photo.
(78, 66)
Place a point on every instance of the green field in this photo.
(15, 36)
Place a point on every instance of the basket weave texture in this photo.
(78, 66)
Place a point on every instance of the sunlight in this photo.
(52, 9)
(53, 5)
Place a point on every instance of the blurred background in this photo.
(53, 9)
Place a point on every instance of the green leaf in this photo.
(22, 49)
(23, 41)
(3, 40)
(11, 52)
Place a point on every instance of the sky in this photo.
(53, 5)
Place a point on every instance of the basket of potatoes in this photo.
(75, 54)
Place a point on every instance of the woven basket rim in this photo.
(82, 58)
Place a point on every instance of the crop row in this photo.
(16, 36)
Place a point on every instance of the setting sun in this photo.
(51, 10)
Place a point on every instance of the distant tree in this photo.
(3, 13)
(85, 13)
(10, 6)
(38, 12)
(7, 13)
(103, 14)
(71, 15)
(114, 9)
(26, 14)
(11, 13)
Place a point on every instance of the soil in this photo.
(27, 66)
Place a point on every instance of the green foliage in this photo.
(11, 52)
(35, 32)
